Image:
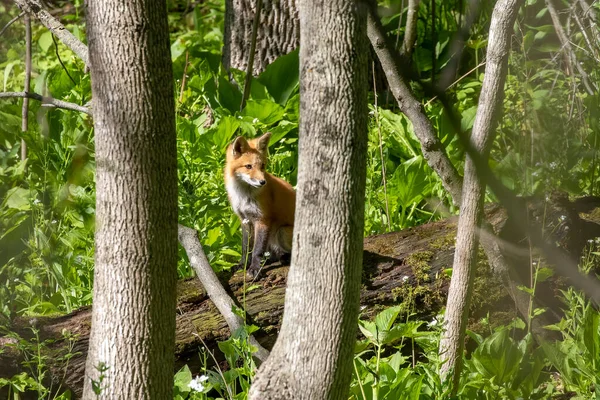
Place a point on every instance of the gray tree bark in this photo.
(467, 238)
(312, 358)
(132, 336)
(410, 32)
(437, 158)
(278, 32)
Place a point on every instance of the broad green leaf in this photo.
(7, 71)
(225, 130)
(281, 77)
(230, 96)
(281, 131)
(264, 110)
(591, 334)
(385, 319)
(45, 41)
(468, 118)
(18, 198)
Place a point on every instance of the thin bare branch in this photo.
(34, 7)
(570, 56)
(46, 101)
(438, 159)
(410, 32)
(188, 238)
(248, 81)
(9, 23)
(25, 107)
(387, 205)
(471, 209)
(433, 149)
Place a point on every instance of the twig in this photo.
(584, 32)
(46, 101)
(410, 32)
(61, 61)
(570, 56)
(25, 108)
(456, 81)
(188, 238)
(12, 21)
(34, 7)
(387, 207)
(185, 67)
(249, 68)
(433, 149)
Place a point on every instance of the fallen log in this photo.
(409, 268)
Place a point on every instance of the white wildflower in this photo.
(245, 221)
(36, 201)
(267, 254)
(433, 322)
(255, 120)
(197, 383)
(405, 279)
(563, 217)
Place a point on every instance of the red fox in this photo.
(265, 204)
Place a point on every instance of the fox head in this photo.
(247, 160)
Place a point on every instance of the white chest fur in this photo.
(243, 201)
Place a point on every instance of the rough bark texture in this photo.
(278, 32)
(432, 147)
(34, 7)
(436, 156)
(467, 238)
(312, 356)
(410, 32)
(133, 323)
(189, 240)
(570, 56)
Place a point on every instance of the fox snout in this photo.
(256, 182)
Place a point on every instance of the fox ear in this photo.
(240, 145)
(263, 141)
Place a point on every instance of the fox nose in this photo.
(262, 182)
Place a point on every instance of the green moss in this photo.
(419, 263)
(445, 242)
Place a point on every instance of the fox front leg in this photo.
(261, 241)
(247, 233)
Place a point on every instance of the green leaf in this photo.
(45, 41)
(7, 71)
(281, 77)
(182, 379)
(230, 96)
(468, 118)
(385, 319)
(542, 274)
(265, 111)
(369, 329)
(591, 335)
(226, 128)
(281, 131)
(18, 198)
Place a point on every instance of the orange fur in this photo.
(265, 203)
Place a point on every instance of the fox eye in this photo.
(248, 166)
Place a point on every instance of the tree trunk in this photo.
(312, 356)
(278, 32)
(467, 238)
(133, 324)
